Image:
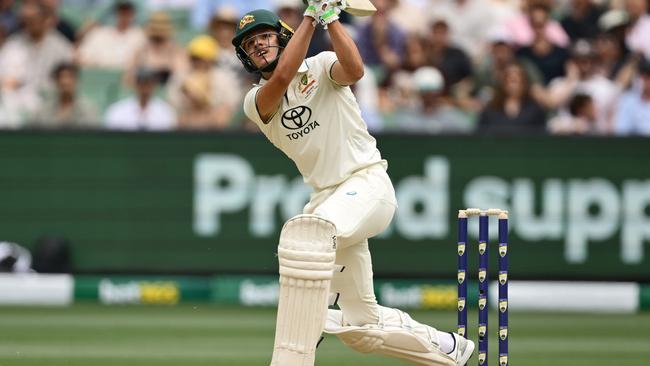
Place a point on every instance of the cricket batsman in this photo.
(306, 109)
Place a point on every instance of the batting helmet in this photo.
(254, 20)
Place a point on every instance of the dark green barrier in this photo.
(199, 203)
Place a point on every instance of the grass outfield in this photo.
(210, 335)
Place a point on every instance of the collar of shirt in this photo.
(301, 70)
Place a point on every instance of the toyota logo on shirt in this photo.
(296, 118)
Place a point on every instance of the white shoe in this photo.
(462, 351)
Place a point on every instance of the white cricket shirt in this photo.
(318, 125)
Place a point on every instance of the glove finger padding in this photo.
(328, 11)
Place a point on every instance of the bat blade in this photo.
(360, 8)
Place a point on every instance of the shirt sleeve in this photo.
(325, 62)
(250, 106)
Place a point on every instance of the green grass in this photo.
(210, 335)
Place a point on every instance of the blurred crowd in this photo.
(571, 67)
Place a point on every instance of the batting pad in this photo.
(395, 335)
(306, 254)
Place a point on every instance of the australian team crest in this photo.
(503, 305)
(503, 360)
(461, 248)
(481, 358)
(461, 304)
(503, 249)
(482, 247)
(461, 276)
(247, 19)
(482, 273)
(307, 85)
(482, 301)
(503, 333)
(482, 330)
(503, 277)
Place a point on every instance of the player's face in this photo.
(262, 46)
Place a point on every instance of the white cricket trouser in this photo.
(361, 207)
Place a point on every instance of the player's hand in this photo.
(312, 7)
(328, 11)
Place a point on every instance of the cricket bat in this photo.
(359, 8)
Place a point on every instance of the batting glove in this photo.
(329, 11)
(312, 9)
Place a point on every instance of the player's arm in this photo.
(349, 67)
(269, 97)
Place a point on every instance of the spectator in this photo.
(170, 4)
(203, 9)
(64, 27)
(290, 11)
(451, 61)
(512, 110)
(582, 77)
(207, 92)
(521, 29)
(113, 46)
(414, 52)
(65, 109)
(402, 15)
(493, 66)
(610, 52)
(582, 21)
(27, 58)
(8, 17)
(469, 22)
(9, 119)
(197, 111)
(380, 41)
(433, 112)
(144, 111)
(581, 119)
(160, 53)
(637, 39)
(546, 56)
(222, 29)
(633, 110)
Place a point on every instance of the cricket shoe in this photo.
(463, 350)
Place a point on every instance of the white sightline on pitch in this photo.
(398, 335)
(306, 254)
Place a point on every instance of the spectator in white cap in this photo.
(222, 29)
(433, 112)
